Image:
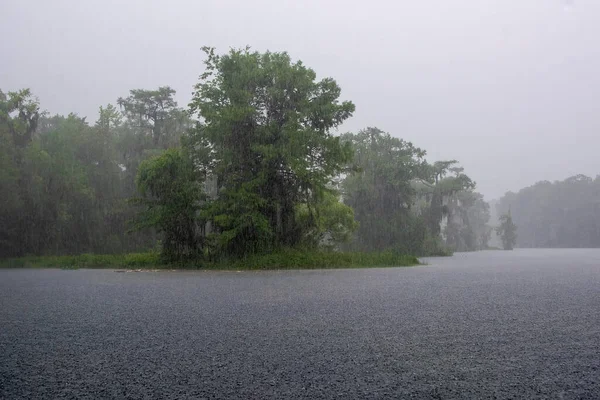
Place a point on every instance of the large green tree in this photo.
(266, 142)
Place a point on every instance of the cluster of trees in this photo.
(401, 201)
(253, 165)
(556, 214)
(66, 185)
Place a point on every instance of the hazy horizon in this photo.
(510, 89)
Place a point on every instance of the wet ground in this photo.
(522, 324)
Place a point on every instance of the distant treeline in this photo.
(556, 214)
(251, 166)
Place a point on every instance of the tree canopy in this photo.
(254, 164)
(66, 185)
(265, 138)
(402, 202)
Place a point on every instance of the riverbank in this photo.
(289, 259)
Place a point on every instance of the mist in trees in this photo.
(67, 185)
(556, 214)
(507, 230)
(253, 165)
(402, 202)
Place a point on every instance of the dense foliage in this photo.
(66, 186)
(265, 140)
(171, 193)
(556, 214)
(401, 202)
(381, 192)
(252, 167)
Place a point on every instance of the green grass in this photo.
(131, 260)
(286, 259)
(295, 259)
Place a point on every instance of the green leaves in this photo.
(265, 137)
(381, 193)
(171, 197)
(154, 113)
(109, 118)
(401, 200)
(255, 172)
(327, 223)
(19, 114)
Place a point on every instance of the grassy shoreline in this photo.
(289, 259)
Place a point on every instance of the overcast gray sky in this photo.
(510, 88)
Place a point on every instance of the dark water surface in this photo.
(522, 324)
